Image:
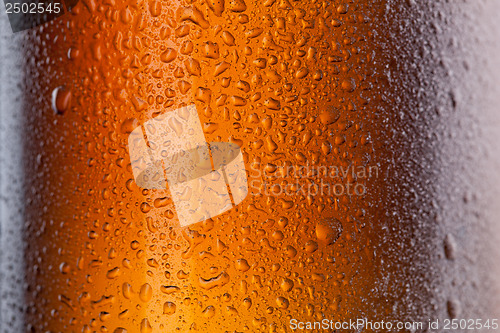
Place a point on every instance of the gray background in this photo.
(11, 198)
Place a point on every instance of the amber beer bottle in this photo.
(133, 224)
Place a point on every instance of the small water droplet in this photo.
(61, 100)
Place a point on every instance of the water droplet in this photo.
(209, 312)
(242, 265)
(61, 100)
(349, 85)
(330, 116)
(237, 6)
(282, 302)
(286, 284)
(450, 247)
(169, 308)
(328, 230)
(146, 292)
(454, 309)
(169, 55)
(311, 246)
(146, 326)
